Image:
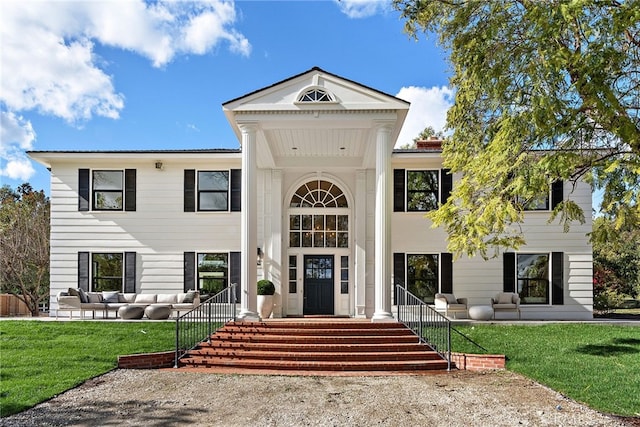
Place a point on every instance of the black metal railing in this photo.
(200, 323)
(431, 327)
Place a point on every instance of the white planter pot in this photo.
(265, 306)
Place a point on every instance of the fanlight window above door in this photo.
(318, 194)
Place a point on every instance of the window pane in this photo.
(307, 240)
(306, 222)
(533, 278)
(212, 201)
(213, 180)
(107, 272)
(318, 222)
(343, 222)
(343, 240)
(330, 241)
(294, 222)
(294, 240)
(422, 180)
(318, 240)
(422, 276)
(107, 200)
(107, 180)
(331, 222)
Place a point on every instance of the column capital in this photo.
(247, 127)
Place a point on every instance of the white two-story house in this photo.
(316, 199)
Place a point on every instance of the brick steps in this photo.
(315, 346)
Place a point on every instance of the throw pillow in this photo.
(84, 297)
(145, 299)
(189, 297)
(451, 299)
(166, 298)
(94, 297)
(505, 299)
(109, 296)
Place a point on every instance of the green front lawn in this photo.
(595, 364)
(39, 360)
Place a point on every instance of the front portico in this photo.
(317, 194)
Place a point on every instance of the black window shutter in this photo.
(446, 185)
(398, 275)
(130, 272)
(189, 190)
(83, 271)
(509, 272)
(398, 190)
(446, 273)
(557, 193)
(130, 190)
(83, 189)
(189, 271)
(236, 188)
(557, 278)
(235, 272)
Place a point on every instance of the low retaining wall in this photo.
(478, 362)
(165, 359)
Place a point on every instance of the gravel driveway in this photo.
(176, 398)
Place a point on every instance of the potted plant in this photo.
(266, 289)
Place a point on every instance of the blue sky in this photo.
(113, 75)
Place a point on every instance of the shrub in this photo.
(606, 301)
(266, 287)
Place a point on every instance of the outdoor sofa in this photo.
(104, 302)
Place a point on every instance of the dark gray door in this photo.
(318, 284)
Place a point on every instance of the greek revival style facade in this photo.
(316, 200)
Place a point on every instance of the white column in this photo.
(383, 254)
(276, 262)
(361, 242)
(249, 225)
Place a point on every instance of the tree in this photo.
(545, 91)
(616, 257)
(24, 243)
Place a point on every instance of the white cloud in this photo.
(49, 64)
(16, 135)
(428, 108)
(362, 8)
(48, 57)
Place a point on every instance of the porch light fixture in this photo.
(159, 165)
(260, 255)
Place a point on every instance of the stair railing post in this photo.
(209, 332)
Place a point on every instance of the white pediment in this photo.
(316, 118)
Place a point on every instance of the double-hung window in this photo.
(420, 190)
(212, 190)
(107, 190)
(213, 272)
(423, 274)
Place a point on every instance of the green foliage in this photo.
(594, 364)
(43, 359)
(24, 239)
(616, 257)
(544, 91)
(606, 301)
(266, 287)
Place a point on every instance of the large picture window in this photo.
(213, 190)
(213, 272)
(533, 278)
(107, 272)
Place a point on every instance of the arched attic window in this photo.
(315, 94)
(318, 194)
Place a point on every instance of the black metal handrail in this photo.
(199, 324)
(431, 327)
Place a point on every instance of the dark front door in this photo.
(318, 284)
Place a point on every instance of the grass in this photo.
(39, 360)
(594, 364)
